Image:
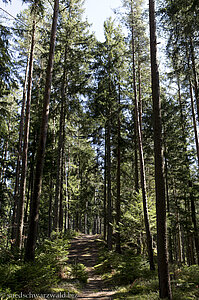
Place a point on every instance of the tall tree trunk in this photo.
(32, 235)
(109, 196)
(118, 199)
(141, 155)
(192, 54)
(187, 159)
(163, 270)
(21, 203)
(17, 177)
(68, 191)
(50, 205)
(4, 155)
(192, 100)
(136, 156)
(61, 213)
(59, 162)
(51, 183)
(30, 187)
(193, 216)
(168, 203)
(194, 122)
(178, 228)
(86, 219)
(105, 181)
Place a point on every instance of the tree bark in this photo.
(168, 204)
(187, 160)
(192, 54)
(59, 163)
(163, 270)
(194, 122)
(21, 127)
(194, 221)
(61, 213)
(32, 235)
(105, 181)
(141, 155)
(109, 196)
(21, 203)
(118, 199)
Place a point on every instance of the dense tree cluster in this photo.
(93, 139)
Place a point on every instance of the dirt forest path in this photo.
(84, 250)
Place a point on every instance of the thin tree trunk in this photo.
(32, 235)
(187, 162)
(194, 75)
(163, 269)
(16, 191)
(192, 101)
(86, 219)
(105, 181)
(142, 166)
(190, 246)
(194, 122)
(136, 157)
(4, 155)
(109, 197)
(118, 199)
(21, 203)
(62, 178)
(63, 116)
(140, 95)
(168, 204)
(59, 162)
(178, 229)
(50, 205)
(61, 202)
(193, 216)
(68, 191)
(30, 187)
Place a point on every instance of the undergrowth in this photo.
(131, 275)
(49, 270)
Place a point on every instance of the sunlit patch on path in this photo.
(84, 249)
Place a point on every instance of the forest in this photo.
(99, 152)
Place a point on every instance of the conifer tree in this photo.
(163, 272)
(32, 234)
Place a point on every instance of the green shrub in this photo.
(4, 293)
(7, 278)
(122, 268)
(42, 274)
(79, 272)
(191, 274)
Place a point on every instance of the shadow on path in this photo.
(84, 250)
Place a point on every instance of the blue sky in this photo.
(97, 11)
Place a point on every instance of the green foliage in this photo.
(151, 296)
(39, 276)
(78, 271)
(122, 268)
(191, 274)
(4, 293)
(135, 281)
(6, 80)
(185, 286)
(186, 282)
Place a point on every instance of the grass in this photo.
(131, 276)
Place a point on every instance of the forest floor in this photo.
(84, 250)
